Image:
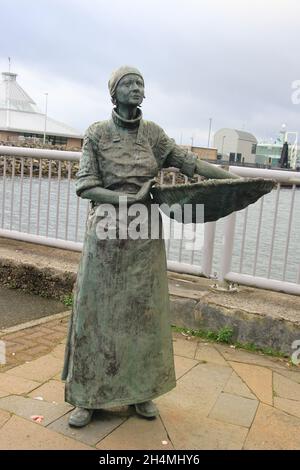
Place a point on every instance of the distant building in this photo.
(20, 119)
(235, 146)
(269, 153)
(204, 153)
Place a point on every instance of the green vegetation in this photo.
(224, 335)
(68, 300)
(252, 347)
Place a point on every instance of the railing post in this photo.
(228, 242)
(208, 248)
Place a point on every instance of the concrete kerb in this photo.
(261, 330)
(37, 322)
(40, 280)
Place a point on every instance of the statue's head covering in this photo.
(118, 74)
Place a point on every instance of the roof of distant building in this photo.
(245, 135)
(19, 113)
(242, 135)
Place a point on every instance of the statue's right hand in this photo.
(143, 193)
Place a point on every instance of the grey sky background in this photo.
(233, 61)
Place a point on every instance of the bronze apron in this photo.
(119, 348)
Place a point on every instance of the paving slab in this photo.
(57, 377)
(273, 429)
(286, 388)
(291, 407)
(257, 378)
(103, 423)
(40, 370)
(184, 347)
(27, 407)
(208, 353)
(19, 434)
(4, 416)
(234, 409)
(291, 374)
(198, 432)
(240, 355)
(16, 385)
(197, 391)
(52, 391)
(236, 386)
(59, 351)
(137, 433)
(183, 365)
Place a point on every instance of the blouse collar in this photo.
(127, 123)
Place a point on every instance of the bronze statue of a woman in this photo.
(119, 349)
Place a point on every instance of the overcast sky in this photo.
(229, 60)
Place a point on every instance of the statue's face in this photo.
(130, 90)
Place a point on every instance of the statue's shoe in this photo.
(80, 417)
(147, 409)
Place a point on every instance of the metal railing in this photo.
(291, 229)
(38, 204)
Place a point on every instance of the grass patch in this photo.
(68, 300)
(267, 351)
(224, 335)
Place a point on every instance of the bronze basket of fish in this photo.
(209, 200)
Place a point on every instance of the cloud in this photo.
(232, 61)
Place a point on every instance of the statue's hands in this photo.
(143, 193)
(106, 196)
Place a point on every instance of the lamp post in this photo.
(45, 128)
(223, 138)
(209, 131)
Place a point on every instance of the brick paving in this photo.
(30, 343)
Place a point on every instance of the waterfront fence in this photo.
(259, 246)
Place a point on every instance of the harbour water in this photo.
(67, 215)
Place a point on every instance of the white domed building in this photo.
(21, 120)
